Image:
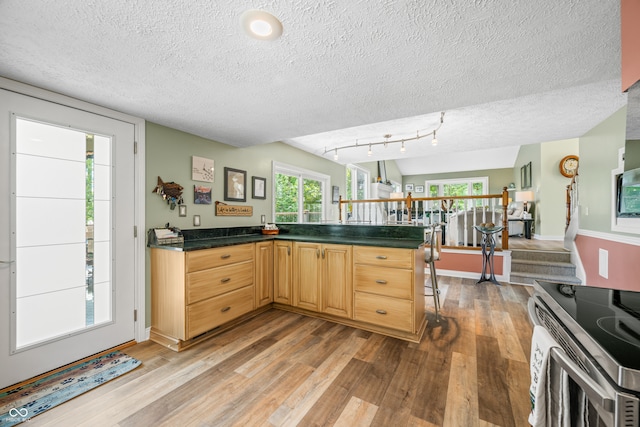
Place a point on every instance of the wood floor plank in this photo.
(283, 368)
(328, 408)
(518, 381)
(462, 393)
(507, 336)
(483, 319)
(357, 413)
(492, 369)
(305, 396)
(383, 368)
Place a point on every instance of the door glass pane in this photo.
(361, 177)
(312, 200)
(58, 176)
(286, 198)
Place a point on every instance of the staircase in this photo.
(551, 266)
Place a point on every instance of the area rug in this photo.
(24, 402)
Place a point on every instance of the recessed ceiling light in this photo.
(261, 25)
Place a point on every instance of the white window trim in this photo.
(469, 181)
(304, 173)
(354, 181)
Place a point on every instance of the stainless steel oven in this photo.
(598, 333)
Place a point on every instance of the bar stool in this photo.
(433, 245)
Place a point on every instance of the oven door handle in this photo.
(592, 389)
(531, 305)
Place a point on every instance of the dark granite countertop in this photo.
(406, 237)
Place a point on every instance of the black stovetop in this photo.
(611, 317)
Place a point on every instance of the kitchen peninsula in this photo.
(369, 277)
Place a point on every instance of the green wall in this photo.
(168, 155)
(498, 178)
(598, 157)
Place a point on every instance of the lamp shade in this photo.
(524, 196)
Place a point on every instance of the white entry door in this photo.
(67, 251)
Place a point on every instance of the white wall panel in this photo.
(102, 150)
(49, 221)
(51, 178)
(102, 303)
(102, 182)
(101, 221)
(50, 141)
(101, 262)
(43, 316)
(42, 269)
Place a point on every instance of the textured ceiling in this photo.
(506, 73)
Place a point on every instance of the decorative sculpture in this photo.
(170, 191)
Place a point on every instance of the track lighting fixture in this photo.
(388, 140)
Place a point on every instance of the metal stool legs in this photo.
(434, 288)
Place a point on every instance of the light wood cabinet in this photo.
(195, 292)
(322, 279)
(283, 272)
(264, 273)
(389, 288)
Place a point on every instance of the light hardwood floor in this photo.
(281, 368)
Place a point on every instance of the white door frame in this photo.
(139, 181)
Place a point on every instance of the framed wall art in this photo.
(525, 176)
(408, 187)
(235, 182)
(201, 195)
(419, 188)
(259, 187)
(201, 169)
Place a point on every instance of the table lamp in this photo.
(525, 197)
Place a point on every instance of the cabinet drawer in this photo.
(388, 257)
(216, 257)
(217, 281)
(384, 311)
(206, 315)
(393, 282)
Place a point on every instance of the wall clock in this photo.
(569, 166)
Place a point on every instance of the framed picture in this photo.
(201, 195)
(419, 188)
(235, 181)
(525, 176)
(259, 187)
(201, 169)
(335, 194)
(408, 187)
(182, 210)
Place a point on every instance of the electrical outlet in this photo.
(263, 219)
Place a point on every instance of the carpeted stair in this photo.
(551, 266)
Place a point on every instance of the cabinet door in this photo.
(337, 282)
(264, 273)
(282, 272)
(306, 275)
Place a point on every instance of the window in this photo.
(357, 180)
(459, 187)
(300, 195)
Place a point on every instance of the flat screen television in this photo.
(628, 194)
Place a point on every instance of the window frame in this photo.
(354, 182)
(469, 181)
(301, 173)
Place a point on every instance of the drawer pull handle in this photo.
(225, 280)
(381, 257)
(225, 256)
(225, 309)
(288, 250)
(381, 282)
(381, 311)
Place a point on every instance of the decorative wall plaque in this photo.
(222, 209)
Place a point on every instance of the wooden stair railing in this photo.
(409, 204)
